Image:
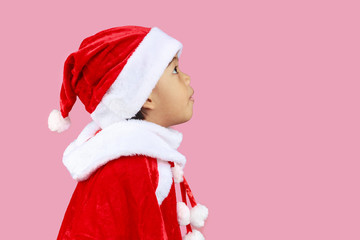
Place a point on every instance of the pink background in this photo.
(273, 146)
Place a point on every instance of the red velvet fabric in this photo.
(118, 201)
(90, 71)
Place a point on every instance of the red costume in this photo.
(124, 196)
(118, 202)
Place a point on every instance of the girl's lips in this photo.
(191, 99)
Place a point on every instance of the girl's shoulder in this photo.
(126, 169)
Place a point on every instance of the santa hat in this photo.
(113, 73)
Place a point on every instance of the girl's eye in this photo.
(175, 69)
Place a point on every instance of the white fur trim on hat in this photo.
(194, 235)
(56, 122)
(137, 79)
(183, 213)
(198, 215)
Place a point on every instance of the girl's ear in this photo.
(149, 103)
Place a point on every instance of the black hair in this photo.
(140, 115)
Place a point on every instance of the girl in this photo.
(126, 160)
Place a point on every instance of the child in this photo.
(126, 160)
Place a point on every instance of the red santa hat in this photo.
(113, 73)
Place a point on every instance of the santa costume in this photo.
(126, 169)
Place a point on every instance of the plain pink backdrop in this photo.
(273, 146)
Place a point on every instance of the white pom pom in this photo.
(183, 214)
(56, 122)
(178, 173)
(194, 235)
(198, 215)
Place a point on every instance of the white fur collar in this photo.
(129, 137)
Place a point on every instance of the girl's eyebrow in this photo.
(172, 60)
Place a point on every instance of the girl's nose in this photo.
(187, 79)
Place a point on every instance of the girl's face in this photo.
(170, 102)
